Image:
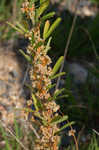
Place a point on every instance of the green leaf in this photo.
(58, 119)
(65, 126)
(27, 57)
(58, 75)
(35, 102)
(46, 28)
(49, 15)
(33, 1)
(58, 92)
(37, 114)
(38, 105)
(53, 27)
(63, 96)
(57, 65)
(42, 1)
(48, 44)
(42, 8)
(51, 86)
(16, 28)
(21, 27)
(7, 145)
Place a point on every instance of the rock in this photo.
(78, 72)
(11, 73)
(84, 8)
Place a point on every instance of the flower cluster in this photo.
(39, 75)
(41, 69)
(28, 9)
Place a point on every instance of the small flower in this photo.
(71, 132)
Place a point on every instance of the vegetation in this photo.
(49, 113)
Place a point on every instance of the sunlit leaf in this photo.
(57, 93)
(21, 27)
(58, 75)
(58, 119)
(46, 28)
(49, 15)
(16, 28)
(48, 44)
(57, 65)
(53, 27)
(27, 57)
(51, 86)
(35, 102)
(42, 8)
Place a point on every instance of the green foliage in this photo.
(10, 140)
(65, 126)
(56, 94)
(5, 138)
(58, 119)
(57, 65)
(48, 45)
(37, 103)
(52, 28)
(47, 16)
(46, 28)
(27, 57)
(43, 6)
(94, 143)
(9, 10)
(58, 75)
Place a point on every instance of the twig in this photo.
(66, 48)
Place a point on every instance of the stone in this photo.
(78, 72)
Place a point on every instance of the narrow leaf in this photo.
(58, 119)
(14, 27)
(51, 86)
(7, 146)
(57, 65)
(42, 8)
(46, 28)
(21, 27)
(37, 114)
(42, 1)
(58, 75)
(49, 15)
(65, 126)
(28, 58)
(53, 27)
(35, 102)
(60, 97)
(58, 92)
(48, 44)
